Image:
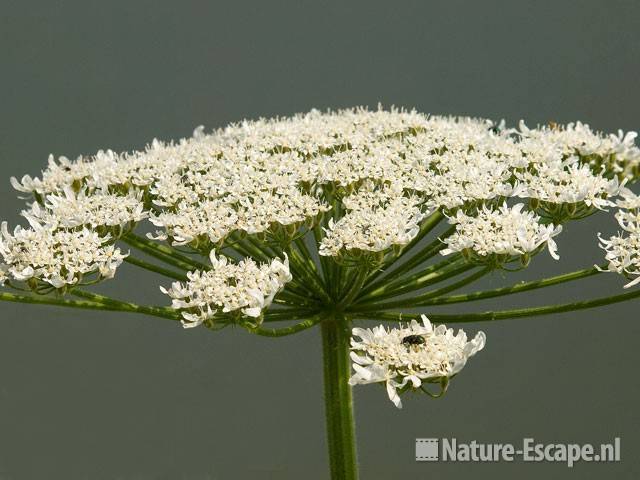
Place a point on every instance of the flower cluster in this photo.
(375, 220)
(57, 258)
(69, 209)
(623, 250)
(210, 222)
(617, 153)
(409, 356)
(362, 179)
(574, 186)
(243, 288)
(495, 237)
(104, 170)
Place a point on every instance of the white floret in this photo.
(376, 219)
(97, 209)
(505, 231)
(57, 257)
(382, 355)
(245, 288)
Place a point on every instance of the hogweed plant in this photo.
(324, 219)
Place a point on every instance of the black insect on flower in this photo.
(410, 340)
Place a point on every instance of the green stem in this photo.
(324, 261)
(303, 257)
(282, 332)
(331, 271)
(155, 268)
(163, 312)
(306, 254)
(353, 287)
(310, 277)
(164, 253)
(520, 287)
(56, 301)
(342, 281)
(93, 304)
(429, 276)
(431, 222)
(287, 314)
(507, 314)
(338, 399)
(258, 251)
(428, 252)
(292, 298)
(423, 299)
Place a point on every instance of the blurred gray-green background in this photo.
(86, 395)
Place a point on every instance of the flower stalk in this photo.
(423, 299)
(163, 253)
(155, 268)
(95, 302)
(502, 291)
(340, 425)
(286, 331)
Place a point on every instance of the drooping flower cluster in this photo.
(409, 356)
(363, 180)
(245, 288)
(623, 250)
(496, 236)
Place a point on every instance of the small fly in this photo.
(410, 340)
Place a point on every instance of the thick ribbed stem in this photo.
(338, 400)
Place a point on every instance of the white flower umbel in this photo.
(568, 183)
(57, 257)
(96, 209)
(623, 250)
(208, 221)
(108, 169)
(254, 212)
(61, 174)
(495, 236)
(259, 211)
(356, 199)
(243, 288)
(409, 356)
(617, 152)
(271, 176)
(375, 220)
(629, 200)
